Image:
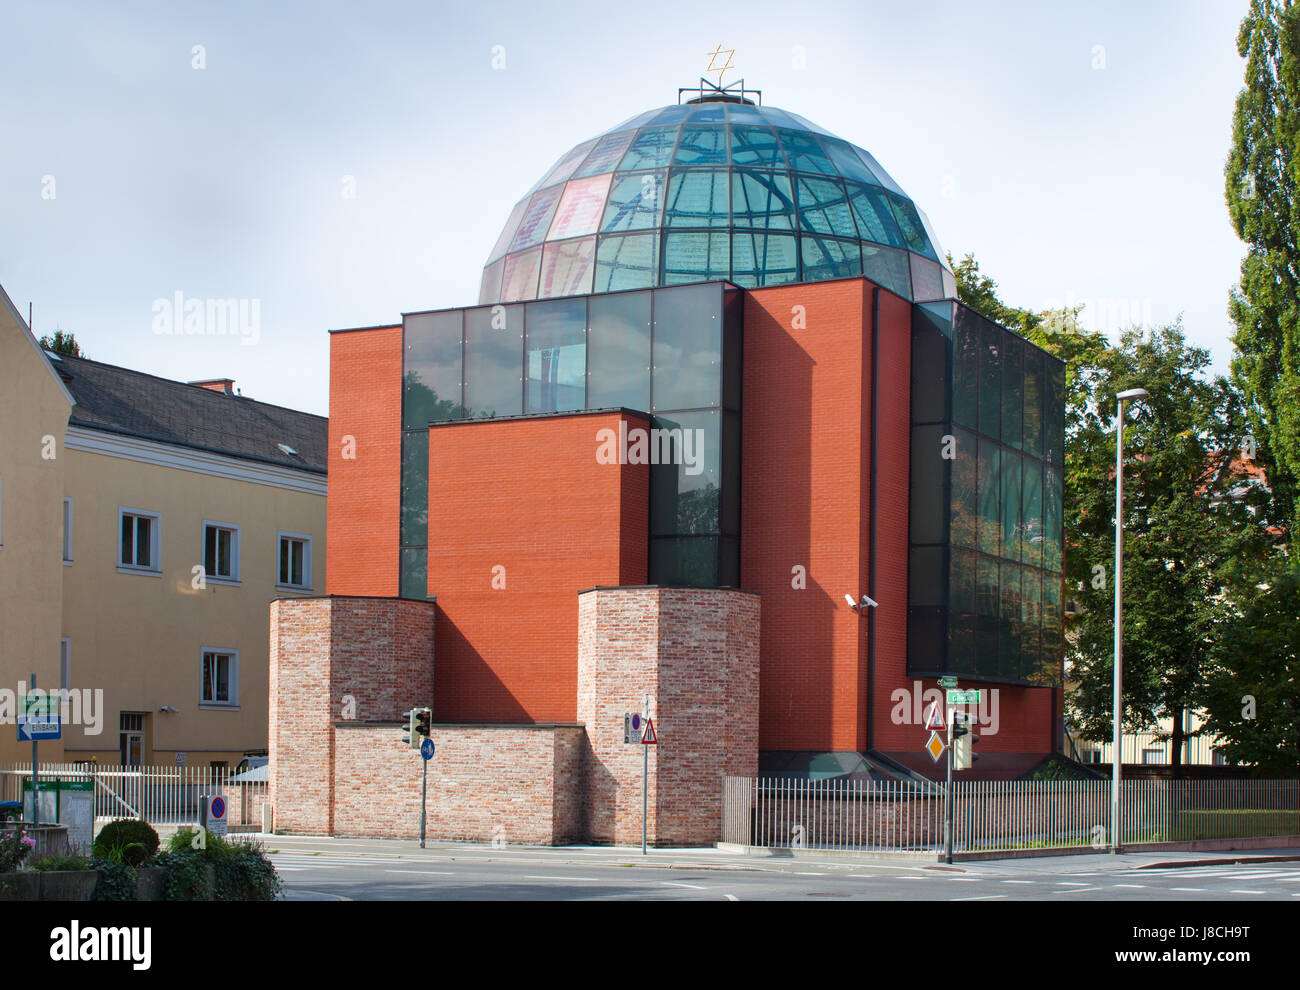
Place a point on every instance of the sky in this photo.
(333, 165)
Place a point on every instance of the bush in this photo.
(127, 840)
(14, 848)
(62, 861)
(117, 880)
(241, 871)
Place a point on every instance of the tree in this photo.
(62, 343)
(1262, 177)
(1190, 535)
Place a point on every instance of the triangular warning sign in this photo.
(934, 721)
(648, 738)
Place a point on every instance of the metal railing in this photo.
(906, 816)
(162, 795)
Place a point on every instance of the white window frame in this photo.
(280, 537)
(236, 538)
(155, 542)
(233, 703)
(1153, 751)
(67, 532)
(65, 664)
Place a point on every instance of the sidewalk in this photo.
(711, 858)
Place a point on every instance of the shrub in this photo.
(241, 871)
(127, 840)
(62, 861)
(117, 880)
(14, 848)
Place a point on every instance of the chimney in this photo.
(226, 386)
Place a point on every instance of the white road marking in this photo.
(1247, 892)
(584, 879)
(1190, 890)
(966, 879)
(1079, 890)
(809, 874)
(669, 883)
(1020, 881)
(429, 873)
(733, 897)
(986, 897)
(1135, 886)
(1068, 883)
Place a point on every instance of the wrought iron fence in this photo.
(162, 795)
(908, 816)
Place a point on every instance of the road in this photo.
(358, 870)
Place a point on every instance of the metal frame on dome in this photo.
(733, 92)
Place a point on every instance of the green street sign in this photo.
(963, 697)
(948, 682)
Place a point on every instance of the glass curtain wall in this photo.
(984, 583)
(673, 353)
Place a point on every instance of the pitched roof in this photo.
(135, 404)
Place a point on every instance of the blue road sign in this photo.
(39, 719)
(636, 722)
(426, 749)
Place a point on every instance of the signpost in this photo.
(963, 697)
(947, 681)
(648, 739)
(426, 750)
(39, 719)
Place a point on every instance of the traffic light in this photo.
(412, 737)
(963, 740)
(424, 722)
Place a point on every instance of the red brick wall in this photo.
(508, 784)
(695, 652)
(529, 496)
(361, 543)
(807, 430)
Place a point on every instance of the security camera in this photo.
(849, 598)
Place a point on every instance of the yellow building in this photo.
(177, 512)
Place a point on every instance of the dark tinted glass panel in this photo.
(1013, 386)
(988, 613)
(909, 224)
(763, 259)
(651, 148)
(755, 146)
(874, 218)
(991, 380)
(804, 153)
(961, 612)
(925, 639)
(415, 489)
(965, 504)
(1054, 413)
(965, 369)
(823, 207)
(431, 369)
(887, 267)
(691, 561)
(1049, 669)
(733, 346)
(687, 347)
(696, 257)
(763, 200)
(618, 354)
(926, 281)
(685, 452)
(929, 485)
(729, 563)
(731, 473)
(990, 488)
(634, 201)
(826, 257)
(1009, 623)
(556, 352)
(1011, 526)
(1051, 518)
(697, 198)
(926, 578)
(414, 577)
(930, 345)
(1032, 409)
(494, 340)
(701, 146)
(1031, 614)
(1031, 514)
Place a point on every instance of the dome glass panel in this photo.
(707, 191)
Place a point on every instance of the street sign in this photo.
(935, 747)
(648, 738)
(934, 720)
(963, 697)
(426, 749)
(39, 719)
(948, 681)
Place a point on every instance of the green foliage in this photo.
(127, 840)
(185, 876)
(14, 848)
(241, 870)
(64, 861)
(1262, 179)
(62, 343)
(1054, 768)
(117, 880)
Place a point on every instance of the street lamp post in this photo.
(1117, 726)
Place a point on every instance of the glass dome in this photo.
(713, 190)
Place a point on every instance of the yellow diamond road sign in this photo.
(935, 746)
